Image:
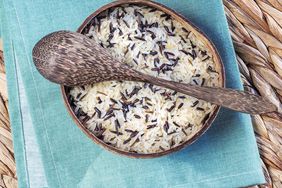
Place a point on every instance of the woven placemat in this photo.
(256, 30)
(7, 162)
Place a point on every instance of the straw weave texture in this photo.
(256, 30)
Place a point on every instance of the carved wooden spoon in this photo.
(72, 59)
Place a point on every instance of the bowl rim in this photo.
(204, 127)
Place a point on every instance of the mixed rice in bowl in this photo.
(142, 118)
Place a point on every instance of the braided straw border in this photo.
(256, 30)
(8, 178)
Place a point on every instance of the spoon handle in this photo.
(233, 99)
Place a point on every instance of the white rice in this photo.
(157, 119)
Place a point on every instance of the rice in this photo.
(141, 117)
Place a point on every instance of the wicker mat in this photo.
(7, 162)
(256, 29)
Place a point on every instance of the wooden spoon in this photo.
(73, 59)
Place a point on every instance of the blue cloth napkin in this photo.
(226, 156)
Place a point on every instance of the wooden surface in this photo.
(255, 27)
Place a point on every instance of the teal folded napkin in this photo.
(226, 156)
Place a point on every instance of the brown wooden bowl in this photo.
(189, 26)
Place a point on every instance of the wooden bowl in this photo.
(189, 26)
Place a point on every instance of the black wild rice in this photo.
(180, 105)
(195, 103)
(98, 112)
